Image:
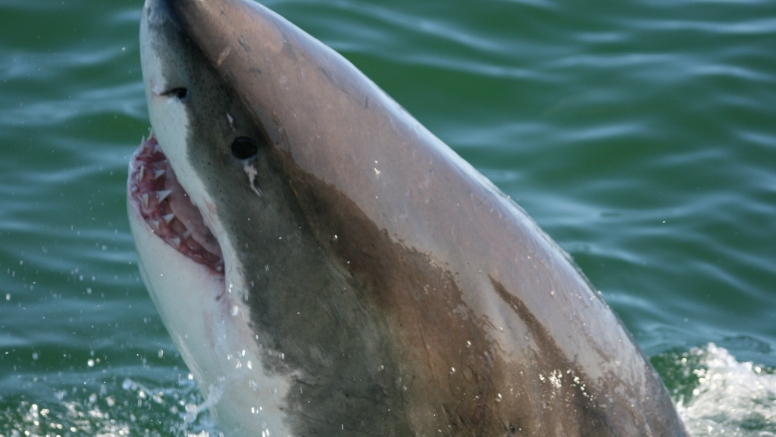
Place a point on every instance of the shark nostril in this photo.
(179, 93)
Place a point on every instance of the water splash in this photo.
(193, 410)
(719, 396)
(130, 408)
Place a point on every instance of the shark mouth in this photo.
(167, 209)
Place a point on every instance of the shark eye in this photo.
(244, 148)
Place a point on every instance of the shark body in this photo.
(327, 266)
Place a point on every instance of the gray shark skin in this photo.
(352, 275)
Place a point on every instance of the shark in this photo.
(326, 266)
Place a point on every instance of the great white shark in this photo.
(327, 267)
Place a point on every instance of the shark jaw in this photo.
(167, 209)
(197, 295)
(188, 263)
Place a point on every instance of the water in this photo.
(641, 135)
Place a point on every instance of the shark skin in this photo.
(327, 266)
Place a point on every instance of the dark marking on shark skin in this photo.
(590, 402)
(244, 45)
(569, 379)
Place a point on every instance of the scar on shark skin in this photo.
(252, 173)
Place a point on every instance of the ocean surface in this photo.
(640, 134)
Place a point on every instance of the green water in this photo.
(641, 135)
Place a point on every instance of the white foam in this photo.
(731, 399)
(111, 410)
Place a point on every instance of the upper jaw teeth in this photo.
(163, 195)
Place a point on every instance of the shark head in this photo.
(198, 185)
(277, 331)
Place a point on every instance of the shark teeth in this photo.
(166, 209)
(163, 194)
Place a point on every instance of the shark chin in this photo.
(326, 266)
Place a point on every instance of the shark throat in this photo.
(167, 209)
